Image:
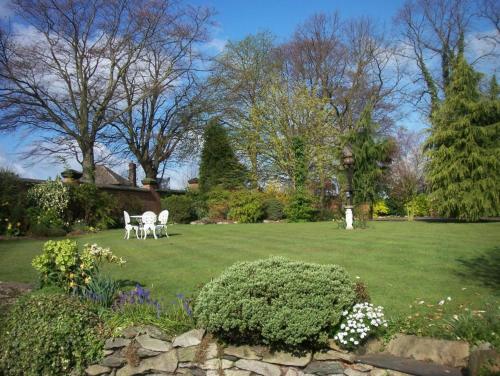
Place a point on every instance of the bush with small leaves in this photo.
(277, 302)
(246, 206)
(50, 334)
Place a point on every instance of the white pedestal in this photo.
(348, 218)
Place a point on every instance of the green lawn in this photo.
(399, 261)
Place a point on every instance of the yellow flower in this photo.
(71, 275)
(72, 284)
(87, 280)
(9, 226)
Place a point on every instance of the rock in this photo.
(230, 357)
(191, 372)
(333, 346)
(244, 352)
(484, 362)
(108, 352)
(378, 372)
(353, 372)
(287, 359)
(187, 354)
(448, 353)
(372, 346)
(259, 367)
(211, 351)
(293, 372)
(145, 353)
(334, 355)
(236, 372)
(191, 338)
(217, 364)
(113, 361)
(165, 362)
(362, 367)
(96, 370)
(324, 368)
(116, 343)
(153, 344)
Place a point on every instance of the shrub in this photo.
(418, 206)
(300, 208)
(91, 205)
(380, 209)
(50, 335)
(276, 302)
(48, 203)
(12, 204)
(62, 264)
(246, 206)
(217, 204)
(362, 295)
(273, 209)
(180, 208)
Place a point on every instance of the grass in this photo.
(398, 261)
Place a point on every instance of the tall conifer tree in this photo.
(463, 149)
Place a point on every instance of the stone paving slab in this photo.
(411, 366)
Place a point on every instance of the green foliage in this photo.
(218, 203)
(380, 209)
(180, 207)
(219, 165)
(446, 321)
(50, 335)
(91, 205)
(300, 207)
(369, 152)
(12, 204)
(464, 157)
(246, 206)
(275, 302)
(101, 290)
(62, 264)
(418, 206)
(273, 209)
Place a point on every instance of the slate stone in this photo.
(353, 372)
(191, 338)
(236, 372)
(334, 355)
(153, 344)
(165, 362)
(287, 359)
(113, 361)
(258, 367)
(108, 352)
(145, 353)
(116, 343)
(187, 354)
(230, 357)
(448, 353)
(324, 368)
(409, 366)
(96, 370)
(217, 364)
(150, 330)
(245, 352)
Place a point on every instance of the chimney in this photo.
(132, 174)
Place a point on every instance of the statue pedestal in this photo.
(348, 218)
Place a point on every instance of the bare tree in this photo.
(60, 76)
(162, 95)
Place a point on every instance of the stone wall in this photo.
(146, 350)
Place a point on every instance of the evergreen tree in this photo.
(370, 153)
(493, 89)
(219, 165)
(463, 149)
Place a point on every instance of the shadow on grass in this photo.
(127, 284)
(484, 268)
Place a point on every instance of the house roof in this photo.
(106, 176)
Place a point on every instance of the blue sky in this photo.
(235, 19)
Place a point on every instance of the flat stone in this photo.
(113, 361)
(108, 352)
(362, 367)
(259, 367)
(372, 346)
(191, 372)
(245, 352)
(191, 338)
(353, 372)
(187, 354)
(378, 372)
(165, 362)
(96, 370)
(408, 366)
(333, 346)
(324, 368)
(287, 359)
(146, 353)
(211, 351)
(236, 372)
(334, 355)
(116, 343)
(230, 357)
(217, 364)
(293, 372)
(153, 344)
(448, 353)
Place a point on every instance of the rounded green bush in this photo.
(181, 208)
(246, 206)
(274, 209)
(49, 335)
(277, 302)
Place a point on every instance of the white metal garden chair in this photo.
(163, 219)
(129, 227)
(149, 223)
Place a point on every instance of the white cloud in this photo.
(216, 45)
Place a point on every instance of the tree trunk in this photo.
(149, 169)
(88, 164)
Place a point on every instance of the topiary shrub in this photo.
(285, 304)
(300, 208)
(180, 208)
(217, 204)
(246, 206)
(50, 335)
(273, 209)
